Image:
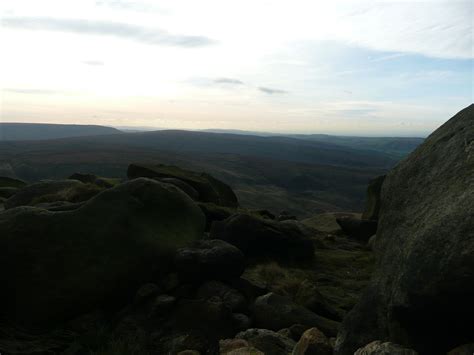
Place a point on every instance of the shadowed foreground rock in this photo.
(56, 265)
(421, 296)
(258, 237)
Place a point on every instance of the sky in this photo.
(372, 68)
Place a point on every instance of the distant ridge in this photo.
(44, 131)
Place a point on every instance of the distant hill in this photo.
(398, 146)
(41, 131)
(275, 173)
(275, 148)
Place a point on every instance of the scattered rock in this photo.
(161, 305)
(285, 216)
(96, 180)
(145, 292)
(262, 238)
(229, 296)
(275, 312)
(208, 188)
(210, 318)
(267, 341)
(78, 260)
(422, 290)
(313, 341)
(373, 200)
(309, 297)
(359, 229)
(264, 214)
(241, 321)
(379, 348)
(209, 260)
(227, 345)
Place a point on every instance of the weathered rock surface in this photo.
(272, 311)
(209, 260)
(313, 342)
(466, 349)
(209, 188)
(422, 291)
(379, 348)
(261, 238)
(57, 265)
(267, 341)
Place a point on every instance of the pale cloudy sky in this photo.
(326, 66)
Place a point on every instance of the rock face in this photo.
(258, 237)
(208, 188)
(422, 291)
(276, 312)
(56, 265)
(372, 202)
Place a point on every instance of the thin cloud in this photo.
(93, 62)
(271, 91)
(153, 36)
(228, 81)
(31, 91)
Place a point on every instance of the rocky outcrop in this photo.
(422, 291)
(56, 265)
(258, 237)
(209, 189)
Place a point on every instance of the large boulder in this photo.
(272, 311)
(209, 189)
(7, 192)
(372, 202)
(421, 294)
(56, 265)
(258, 237)
(44, 191)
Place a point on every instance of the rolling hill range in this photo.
(298, 175)
(40, 131)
